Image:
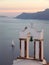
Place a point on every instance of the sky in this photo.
(18, 6)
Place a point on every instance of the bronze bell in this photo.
(31, 38)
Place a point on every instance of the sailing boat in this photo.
(13, 44)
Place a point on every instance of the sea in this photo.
(9, 31)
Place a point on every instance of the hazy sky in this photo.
(23, 5)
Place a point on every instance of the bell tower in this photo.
(37, 38)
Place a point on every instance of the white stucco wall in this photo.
(22, 49)
(37, 50)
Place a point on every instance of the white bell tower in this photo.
(38, 44)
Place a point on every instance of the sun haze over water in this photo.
(12, 7)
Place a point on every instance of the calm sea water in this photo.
(9, 30)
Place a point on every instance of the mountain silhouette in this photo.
(43, 15)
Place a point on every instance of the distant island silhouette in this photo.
(3, 16)
(42, 15)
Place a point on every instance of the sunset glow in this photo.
(23, 5)
(21, 10)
